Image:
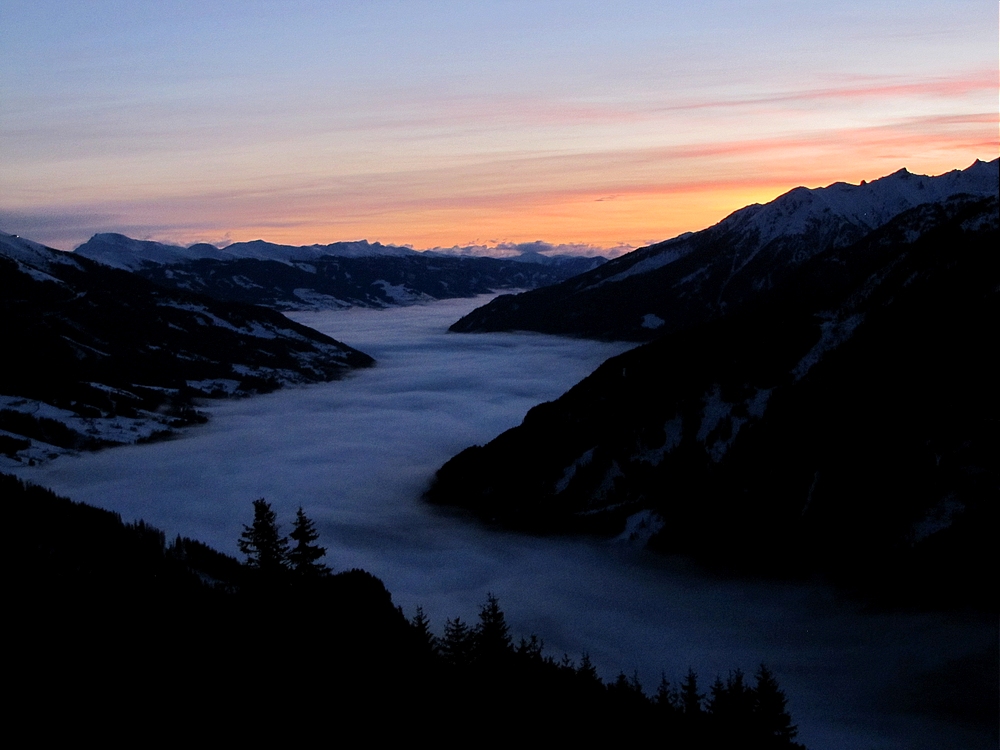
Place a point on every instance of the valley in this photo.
(358, 453)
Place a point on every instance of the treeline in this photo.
(121, 630)
(484, 660)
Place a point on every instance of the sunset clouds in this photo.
(440, 124)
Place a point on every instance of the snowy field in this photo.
(357, 454)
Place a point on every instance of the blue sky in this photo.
(441, 123)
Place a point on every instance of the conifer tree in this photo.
(586, 670)
(690, 697)
(422, 627)
(492, 636)
(262, 543)
(731, 706)
(304, 556)
(530, 648)
(732, 701)
(770, 713)
(458, 642)
(667, 698)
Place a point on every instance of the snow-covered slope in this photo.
(341, 274)
(96, 356)
(699, 276)
(33, 259)
(119, 251)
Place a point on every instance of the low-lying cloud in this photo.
(357, 454)
(495, 249)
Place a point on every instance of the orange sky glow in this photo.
(504, 123)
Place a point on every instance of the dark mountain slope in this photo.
(96, 355)
(704, 275)
(846, 423)
(328, 276)
(117, 631)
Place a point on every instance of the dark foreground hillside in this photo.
(116, 633)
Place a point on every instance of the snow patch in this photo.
(204, 317)
(570, 470)
(314, 300)
(239, 280)
(641, 526)
(718, 410)
(223, 385)
(938, 518)
(757, 403)
(112, 430)
(834, 333)
(653, 261)
(400, 294)
(652, 321)
(673, 431)
(608, 483)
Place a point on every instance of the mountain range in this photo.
(704, 275)
(820, 397)
(99, 356)
(342, 274)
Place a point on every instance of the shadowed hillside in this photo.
(126, 633)
(98, 356)
(846, 424)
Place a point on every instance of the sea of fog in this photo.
(358, 453)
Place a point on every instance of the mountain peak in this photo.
(688, 280)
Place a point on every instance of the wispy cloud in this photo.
(869, 88)
(604, 198)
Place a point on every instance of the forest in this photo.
(117, 620)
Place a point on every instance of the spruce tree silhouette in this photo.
(262, 543)
(690, 697)
(772, 719)
(458, 643)
(422, 630)
(492, 635)
(304, 556)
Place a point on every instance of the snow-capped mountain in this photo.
(699, 276)
(843, 422)
(98, 356)
(119, 251)
(341, 274)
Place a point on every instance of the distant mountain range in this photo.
(342, 274)
(704, 275)
(821, 396)
(98, 356)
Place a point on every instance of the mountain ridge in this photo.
(99, 356)
(332, 276)
(843, 423)
(701, 275)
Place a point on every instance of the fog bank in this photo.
(357, 454)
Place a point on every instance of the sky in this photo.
(436, 124)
